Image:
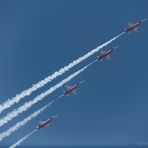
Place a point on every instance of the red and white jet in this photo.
(43, 124)
(106, 54)
(133, 27)
(72, 88)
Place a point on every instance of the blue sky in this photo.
(39, 37)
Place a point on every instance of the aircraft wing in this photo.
(129, 25)
(74, 92)
(41, 122)
(136, 30)
(102, 52)
(108, 57)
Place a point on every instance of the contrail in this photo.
(22, 139)
(8, 103)
(29, 104)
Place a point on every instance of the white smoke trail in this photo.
(8, 103)
(23, 122)
(36, 113)
(27, 105)
(22, 139)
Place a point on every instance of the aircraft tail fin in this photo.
(102, 51)
(130, 25)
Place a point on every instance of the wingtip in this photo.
(55, 116)
(116, 47)
(82, 81)
(145, 19)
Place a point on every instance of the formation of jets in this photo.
(130, 27)
(103, 55)
(67, 91)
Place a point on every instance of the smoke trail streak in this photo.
(22, 139)
(29, 104)
(8, 103)
(36, 113)
(27, 119)
(23, 122)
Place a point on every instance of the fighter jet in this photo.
(106, 54)
(43, 124)
(133, 27)
(72, 88)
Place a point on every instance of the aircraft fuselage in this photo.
(42, 124)
(70, 89)
(105, 54)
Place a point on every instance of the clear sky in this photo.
(37, 37)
